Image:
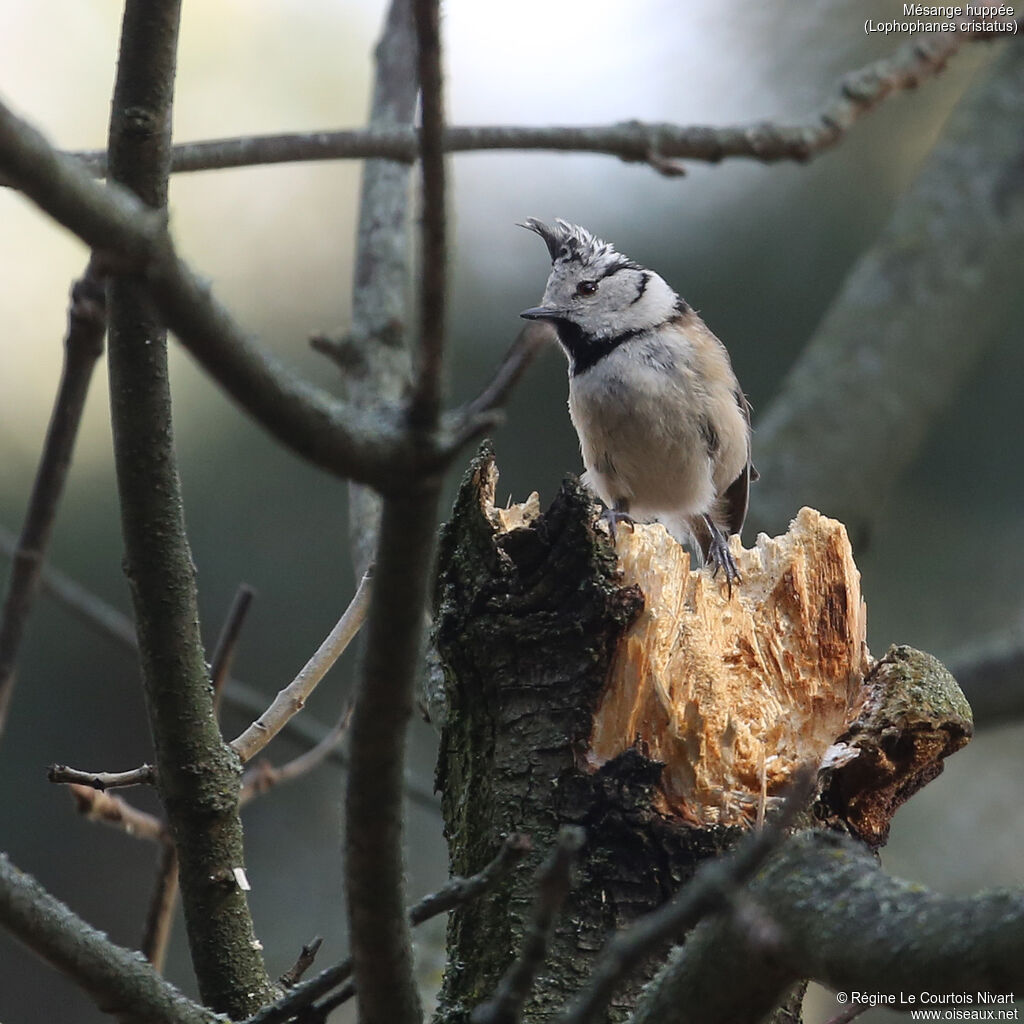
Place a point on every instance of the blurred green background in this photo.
(759, 250)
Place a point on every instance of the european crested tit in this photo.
(664, 427)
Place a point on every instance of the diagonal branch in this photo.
(292, 698)
(365, 445)
(843, 923)
(83, 345)
(653, 144)
(116, 979)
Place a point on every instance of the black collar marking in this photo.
(584, 349)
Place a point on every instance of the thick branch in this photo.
(374, 869)
(365, 445)
(992, 678)
(892, 349)
(83, 345)
(655, 144)
(847, 925)
(116, 979)
(197, 774)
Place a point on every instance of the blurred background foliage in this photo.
(759, 250)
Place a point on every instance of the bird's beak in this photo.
(541, 313)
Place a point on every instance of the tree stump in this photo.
(612, 687)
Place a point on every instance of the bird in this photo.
(663, 425)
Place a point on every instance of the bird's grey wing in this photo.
(736, 498)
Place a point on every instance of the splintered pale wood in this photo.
(732, 694)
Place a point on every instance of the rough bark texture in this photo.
(198, 775)
(552, 639)
(841, 920)
(528, 624)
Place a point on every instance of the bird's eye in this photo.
(586, 288)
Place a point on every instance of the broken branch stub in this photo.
(732, 694)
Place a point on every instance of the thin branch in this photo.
(374, 354)
(96, 805)
(713, 886)
(653, 144)
(553, 882)
(83, 345)
(307, 955)
(227, 641)
(263, 776)
(453, 893)
(156, 932)
(426, 399)
(290, 700)
(530, 340)
(144, 775)
(117, 980)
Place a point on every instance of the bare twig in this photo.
(110, 809)
(655, 145)
(156, 932)
(290, 700)
(263, 776)
(144, 775)
(553, 881)
(227, 642)
(83, 345)
(307, 955)
(711, 889)
(453, 893)
(117, 980)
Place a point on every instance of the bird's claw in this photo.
(614, 516)
(721, 557)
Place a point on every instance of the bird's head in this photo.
(593, 291)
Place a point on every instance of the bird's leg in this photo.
(618, 513)
(719, 555)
